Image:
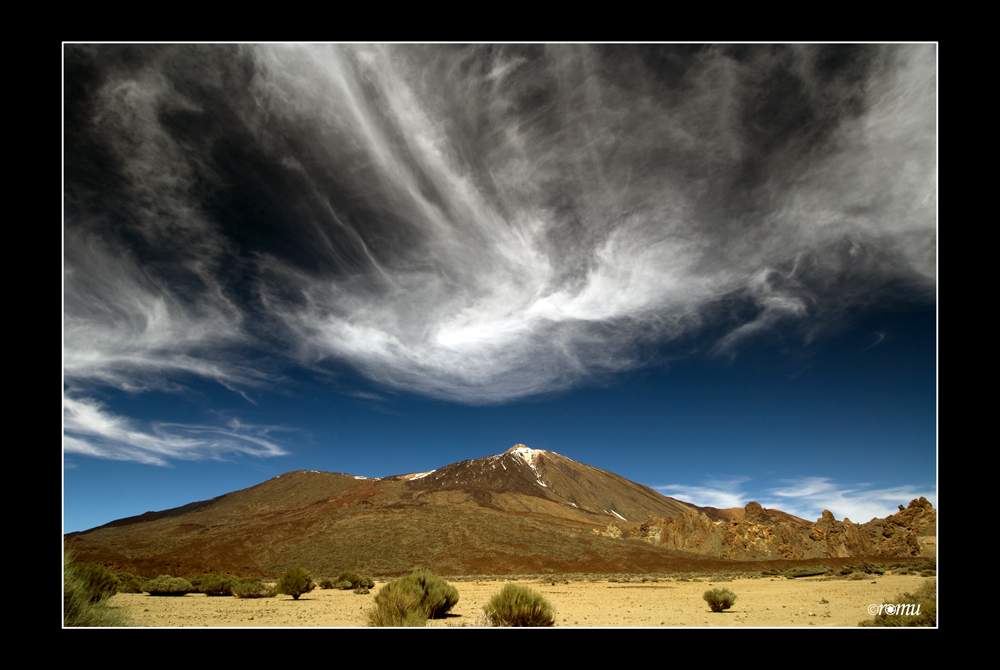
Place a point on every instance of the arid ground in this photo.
(761, 602)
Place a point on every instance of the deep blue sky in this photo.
(709, 269)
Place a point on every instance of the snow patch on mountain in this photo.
(421, 475)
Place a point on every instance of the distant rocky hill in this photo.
(522, 511)
(758, 534)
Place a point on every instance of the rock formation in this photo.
(759, 534)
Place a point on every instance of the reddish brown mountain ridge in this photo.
(525, 510)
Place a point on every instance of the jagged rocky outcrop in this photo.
(910, 532)
(759, 534)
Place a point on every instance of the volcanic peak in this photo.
(529, 455)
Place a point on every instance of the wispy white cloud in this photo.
(807, 497)
(503, 298)
(720, 493)
(483, 223)
(90, 430)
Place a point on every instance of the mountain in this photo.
(523, 511)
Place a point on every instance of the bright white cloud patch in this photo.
(92, 431)
(805, 498)
(809, 496)
(722, 494)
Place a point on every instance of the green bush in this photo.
(253, 587)
(517, 605)
(719, 599)
(295, 582)
(920, 609)
(79, 607)
(95, 580)
(352, 580)
(165, 585)
(129, 583)
(435, 595)
(397, 608)
(326, 583)
(216, 585)
(871, 568)
(803, 571)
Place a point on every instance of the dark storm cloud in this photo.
(482, 222)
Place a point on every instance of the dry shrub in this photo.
(129, 583)
(397, 608)
(435, 595)
(352, 580)
(519, 606)
(296, 582)
(165, 585)
(80, 609)
(919, 609)
(216, 585)
(719, 599)
(253, 587)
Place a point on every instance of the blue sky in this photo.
(709, 269)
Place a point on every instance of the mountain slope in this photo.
(521, 511)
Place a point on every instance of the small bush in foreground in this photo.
(165, 585)
(719, 599)
(79, 609)
(397, 608)
(95, 580)
(252, 587)
(295, 582)
(918, 609)
(519, 606)
(435, 595)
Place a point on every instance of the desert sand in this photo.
(763, 602)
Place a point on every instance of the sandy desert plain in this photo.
(579, 602)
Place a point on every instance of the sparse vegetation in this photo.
(519, 606)
(253, 587)
(216, 585)
(803, 571)
(295, 582)
(397, 608)
(95, 580)
(871, 569)
(80, 609)
(425, 593)
(165, 585)
(719, 599)
(352, 580)
(129, 583)
(918, 609)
